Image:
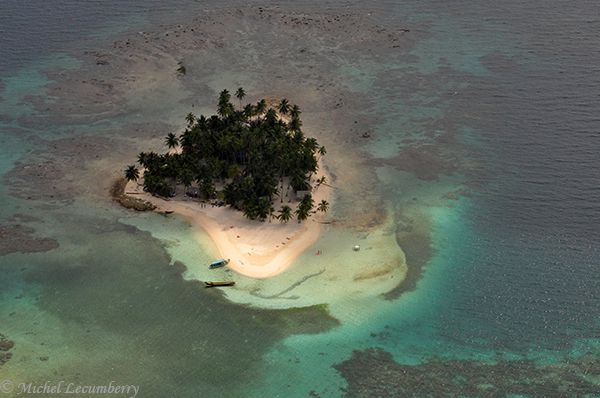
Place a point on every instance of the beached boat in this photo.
(217, 284)
(219, 263)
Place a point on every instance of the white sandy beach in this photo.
(256, 249)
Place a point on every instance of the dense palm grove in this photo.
(240, 157)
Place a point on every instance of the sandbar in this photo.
(255, 249)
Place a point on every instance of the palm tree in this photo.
(311, 144)
(271, 213)
(132, 173)
(323, 206)
(299, 182)
(186, 140)
(284, 106)
(308, 202)
(151, 159)
(261, 107)
(248, 111)
(302, 213)
(263, 208)
(240, 94)
(190, 118)
(202, 121)
(142, 158)
(186, 178)
(271, 116)
(285, 214)
(295, 124)
(304, 208)
(322, 151)
(171, 140)
(295, 111)
(225, 106)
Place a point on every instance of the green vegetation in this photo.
(132, 173)
(304, 208)
(285, 214)
(323, 205)
(240, 157)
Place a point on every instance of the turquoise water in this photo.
(408, 327)
(484, 141)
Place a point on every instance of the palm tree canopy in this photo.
(295, 124)
(225, 107)
(190, 118)
(323, 206)
(240, 93)
(302, 213)
(261, 107)
(304, 208)
(295, 111)
(285, 214)
(142, 157)
(132, 173)
(171, 140)
(271, 115)
(247, 156)
(284, 106)
(248, 110)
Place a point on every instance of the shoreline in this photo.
(256, 249)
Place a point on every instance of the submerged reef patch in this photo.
(374, 373)
(5, 346)
(427, 162)
(19, 238)
(53, 172)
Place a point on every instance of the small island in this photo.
(231, 172)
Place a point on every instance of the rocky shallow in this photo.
(6, 346)
(374, 373)
(20, 238)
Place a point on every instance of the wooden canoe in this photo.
(218, 264)
(217, 284)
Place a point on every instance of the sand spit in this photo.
(255, 249)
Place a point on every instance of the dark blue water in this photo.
(34, 29)
(538, 208)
